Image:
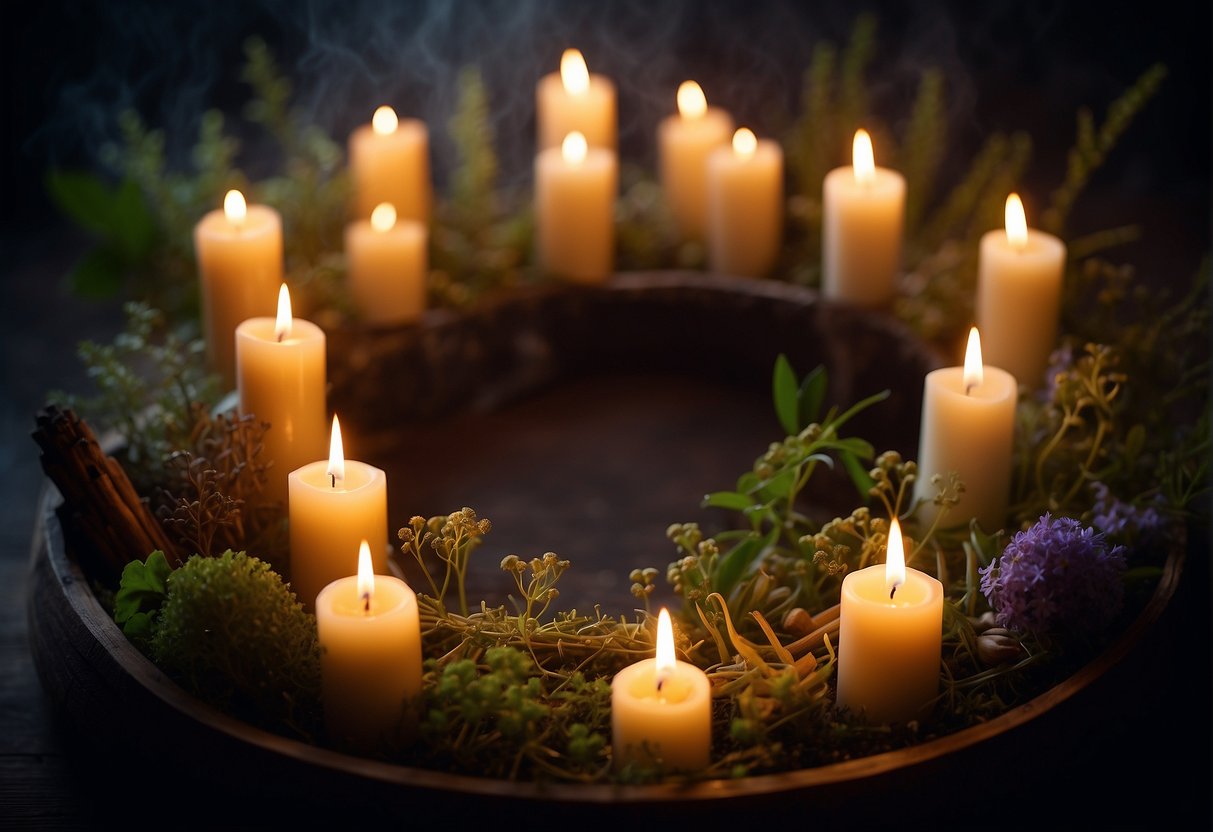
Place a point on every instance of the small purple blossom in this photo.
(1057, 578)
(1115, 517)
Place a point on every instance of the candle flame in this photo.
(974, 372)
(282, 326)
(745, 143)
(691, 101)
(895, 559)
(574, 148)
(574, 74)
(336, 468)
(366, 576)
(1017, 222)
(862, 157)
(384, 122)
(665, 646)
(234, 207)
(383, 217)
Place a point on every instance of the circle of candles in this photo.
(240, 266)
(890, 633)
(370, 662)
(684, 141)
(1019, 279)
(387, 264)
(390, 162)
(334, 503)
(745, 205)
(863, 211)
(661, 710)
(574, 99)
(280, 378)
(968, 426)
(575, 189)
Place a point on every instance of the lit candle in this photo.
(575, 100)
(863, 211)
(684, 141)
(280, 377)
(370, 661)
(334, 503)
(575, 188)
(745, 206)
(890, 631)
(239, 253)
(661, 710)
(390, 162)
(386, 260)
(1019, 279)
(968, 426)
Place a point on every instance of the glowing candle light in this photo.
(575, 190)
(390, 162)
(239, 253)
(890, 632)
(1019, 281)
(745, 205)
(684, 142)
(334, 503)
(968, 427)
(575, 100)
(661, 709)
(280, 378)
(863, 211)
(387, 266)
(370, 664)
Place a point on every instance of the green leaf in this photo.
(858, 472)
(728, 499)
(738, 559)
(784, 390)
(143, 589)
(132, 226)
(812, 394)
(100, 274)
(778, 486)
(83, 198)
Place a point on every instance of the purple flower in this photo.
(1116, 518)
(1057, 579)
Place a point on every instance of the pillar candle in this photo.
(370, 660)
(575, 100)
(387, 264)
(661, 710)
(1019, 279)
(863, 211)
(239, 254)
(575, 189)
(684, 141)
(890, 632)
(334, 503)
(280, 377)
(745, 206)
(968, 426)
(390, 162)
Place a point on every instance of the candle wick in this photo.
(969, 388)
(660, 682)
(333, 480)
(281, 335)
(892, 591)
(366, 602)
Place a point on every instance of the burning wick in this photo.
(336, 468)
(895, 559)
(366, 577)
(974, 372)
(666, 662)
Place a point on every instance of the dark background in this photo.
(68, 68)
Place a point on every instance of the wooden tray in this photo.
(581, 348)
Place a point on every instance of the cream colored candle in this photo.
(239, 253)
(661, 710)
(745, 206)
(370, 660)
(968, 426)
(684, 141)
(387, 263)
(390, 162)
(890, 632)
(575, 189)
(574, 100)
(1019, 279)
(863, 212)
(334, 503)
(280, 377)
